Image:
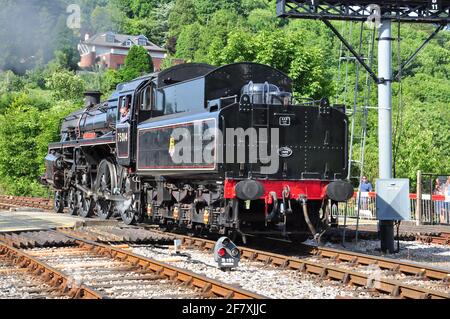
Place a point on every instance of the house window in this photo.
(142, 41)
(128, 43)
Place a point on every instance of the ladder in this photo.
(359, 112)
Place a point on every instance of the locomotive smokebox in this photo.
(249, 190)
(92, 98)
(340, 191)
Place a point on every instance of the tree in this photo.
(280, 49)
(65, 85)
(110, 80)
(109, 18)
(153, 25)
(182, 14)
(137, 63)
(188, 46)
(206, 8)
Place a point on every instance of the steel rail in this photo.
(209, 286)
(49, 274)
(408, 268)
(442, 239)
(41, 203)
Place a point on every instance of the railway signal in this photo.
(226, 254)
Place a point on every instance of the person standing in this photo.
(365, 187)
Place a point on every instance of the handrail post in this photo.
(419, 198)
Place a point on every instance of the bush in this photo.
(65, 85)
(25, 132)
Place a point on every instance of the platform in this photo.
(30, 220)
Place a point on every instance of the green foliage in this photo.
(111, 78)
(282, 49)
(25, 130)
(137, 63)
(183, 14)
(65, 85)
(108, 18)
(151, 21)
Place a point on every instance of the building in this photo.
(109, 50)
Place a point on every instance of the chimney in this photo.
(92, 98)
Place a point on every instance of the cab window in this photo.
(147, 98)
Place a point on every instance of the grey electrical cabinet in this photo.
(393, 199)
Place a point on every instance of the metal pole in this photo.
(385, 123)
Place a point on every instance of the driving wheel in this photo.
(105, 185)
(85, 205)
(72, 202)
(58, 204)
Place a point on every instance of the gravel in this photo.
(256, 277)
(113, 278)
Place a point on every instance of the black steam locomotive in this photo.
(222, 150)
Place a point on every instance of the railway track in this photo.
(46, 280)
(442, 238)
(390, 277)
(79, 268)
(354, 269)
(8, 202)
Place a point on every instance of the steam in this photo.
(29, 32)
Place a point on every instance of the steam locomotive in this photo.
(204, 149)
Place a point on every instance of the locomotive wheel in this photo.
(72, 202)
(58, 205)
(85, 205)
(128, 217)
(105, 184)
(104, 209)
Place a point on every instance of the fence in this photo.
(435, 209)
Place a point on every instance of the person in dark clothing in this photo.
(125, 110)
